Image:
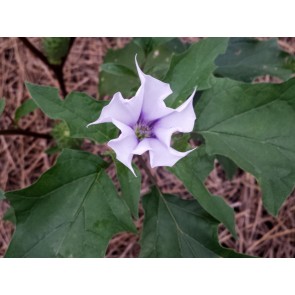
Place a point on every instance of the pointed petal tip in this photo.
(133, 172)
(135, 59)
(98, 121)
(172, 157)
(141, 74)
(129, 167)
(195, 90)
(191, 97)
(89, 124)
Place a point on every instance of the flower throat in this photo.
(142, 130)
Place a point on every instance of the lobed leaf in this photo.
(253, 126)
(192, 171)
(77, 110)
(179, 228)
(73, 210)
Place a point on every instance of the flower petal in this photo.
(181, 119)
(160, 154)
(123, 110)
(154, 92)
(124, 144)
(164, 135)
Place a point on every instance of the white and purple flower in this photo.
(147, 124)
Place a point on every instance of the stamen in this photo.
(142, 131)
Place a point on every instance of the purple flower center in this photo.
(143, 130)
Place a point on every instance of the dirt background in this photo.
(23, 160)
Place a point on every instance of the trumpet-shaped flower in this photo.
(147, 124)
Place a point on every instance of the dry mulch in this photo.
(23, 160)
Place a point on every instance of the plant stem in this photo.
(147, 170)
(57, 69)
(34, 50)
(24, 132)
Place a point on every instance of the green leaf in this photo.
(125, 57)
(158, 60)
(192, 171)
(117, 70)
(77, 110)
(179, 228)
(118, 73)
(253, 126)
(130, 186)
(2, 196)
(27, 107)
(73, 210)
(248, 58)
(229, 167)
(10, 215)
(193, 68)
(2, 105)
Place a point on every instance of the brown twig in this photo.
(34, 50)
(57, 69)
(23, 132)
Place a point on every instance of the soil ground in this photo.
(23, 160)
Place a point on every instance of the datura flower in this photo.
(146, 123)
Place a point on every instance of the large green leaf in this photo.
(27, 107)
(247, 58)
(2, 105)
(73, 210)
(118, 73)
(130, 186)
(179, 228)
(77, 110)
(253, 125)
(193, 68)
(192, 171)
